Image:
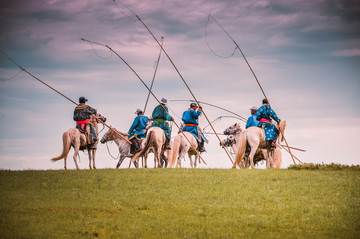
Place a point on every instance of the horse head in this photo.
(108, 136)
(100, 118)
(111, 134)
(230, 140)
(233, 129)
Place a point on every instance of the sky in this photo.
(305, 54)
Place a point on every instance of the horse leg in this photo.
(65, 163)
(251, 156)
(196, 159)
(158, 156)
(93, 158)
(76, 152)
(191, 161)
(178, 165)
(121, 159)
(89, 154)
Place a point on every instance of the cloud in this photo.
(347, 53)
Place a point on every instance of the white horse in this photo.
(73, 137)
(123, 145)
(233, 140)
(155, 138)
(181, 147)
(255, 137)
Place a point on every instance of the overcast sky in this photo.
(306, 55)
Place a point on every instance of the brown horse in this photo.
(73, 137)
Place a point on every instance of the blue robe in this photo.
(252, 121)
(160, 117)
(265, 112)
(191, 117)
(137, 129)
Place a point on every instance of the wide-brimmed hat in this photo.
(163, 100)
(254, 108)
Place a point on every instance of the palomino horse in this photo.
(233, 140)
(123, 145)
(255, 137)
(181, 147)
(73, 137)
(155, 138)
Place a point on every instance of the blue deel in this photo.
(252, 121)
(138, 127)
(265, 112)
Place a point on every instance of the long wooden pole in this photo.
(252, 71)
(57, 92)
(153, 79)
(137, 75)
(179, 75)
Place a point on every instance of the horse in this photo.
(233, 140)
(74, 138)
(123, 145)
(255, 137)
(181, 147)
(155, 138)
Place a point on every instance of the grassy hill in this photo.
(180, 203)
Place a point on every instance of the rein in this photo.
(115, 158)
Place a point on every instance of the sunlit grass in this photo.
(180, 203)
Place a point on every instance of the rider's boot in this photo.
(167, 144)
(248, 149)
(201, 147)
(134, 147)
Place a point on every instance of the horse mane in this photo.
(114, 129)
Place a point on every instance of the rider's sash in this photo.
(83, 122)
(264, 120)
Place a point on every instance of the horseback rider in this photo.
(82, 115)
(160, 117)
(137, 131)
(264, 115)
(190, 119)
(252, 121)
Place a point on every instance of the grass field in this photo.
(180, 203)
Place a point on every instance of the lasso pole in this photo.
(179, 75)
(147, 89)
(57, 91)
(153, 79)
(252, 71)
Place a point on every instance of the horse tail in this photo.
(242, 147)
(277, 158)
(66, 147)
(149, 140)
(175, 149)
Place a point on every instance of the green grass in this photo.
(180, 203)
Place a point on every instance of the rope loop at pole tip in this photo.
(208, 44)
(182, 78)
